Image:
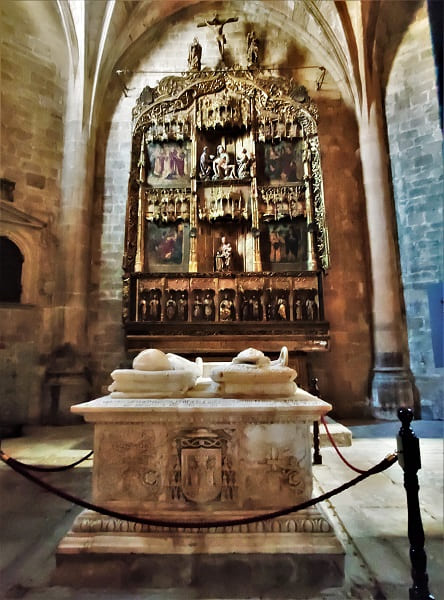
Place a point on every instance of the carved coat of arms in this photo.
(201, 465)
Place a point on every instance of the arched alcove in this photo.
(11, 261)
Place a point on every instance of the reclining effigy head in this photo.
(155, 375)
(252, 374)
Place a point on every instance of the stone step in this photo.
(341, 434)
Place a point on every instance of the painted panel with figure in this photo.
(284, 245)
(167, 247)
(283, 162)
(169, 164)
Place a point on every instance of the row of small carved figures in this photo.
(223, 112)
(164, 130)
(170, 207)
(206, 305)
(167, 207)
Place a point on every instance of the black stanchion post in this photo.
(317, 458)
(409, 458)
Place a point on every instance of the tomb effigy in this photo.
(236, 443)
(155, 375)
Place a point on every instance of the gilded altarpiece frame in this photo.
(226, 235)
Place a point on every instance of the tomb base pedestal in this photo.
(203, 459)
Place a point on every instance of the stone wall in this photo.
(33, 77)
(415, 142)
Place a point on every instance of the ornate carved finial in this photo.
(252, 50)
(218, 26)
(146, 96)
(298, 93)
(194, 56)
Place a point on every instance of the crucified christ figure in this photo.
(218, 27)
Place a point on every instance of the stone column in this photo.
(392, 381)
(74, 229)
(70, 343)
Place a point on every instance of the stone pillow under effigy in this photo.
(155, 375)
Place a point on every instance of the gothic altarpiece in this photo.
(225, 227)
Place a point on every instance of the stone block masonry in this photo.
(34, 73)
(418, 185)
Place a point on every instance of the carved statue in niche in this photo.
(208, 307)
(223, 255)
(205, 164)
(226, 308)
(154, 307)
(171, 307)
(197, 308)
(252, 49)
(182, 307)
(218, 26)
(298, 310)
(311, 308)
(222, 168)
(250, 308)
(143, 310)
(243, 164)
(246, 309)
(194, 56)
(281, 309)
(255, 308)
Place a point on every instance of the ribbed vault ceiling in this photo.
(351, 39)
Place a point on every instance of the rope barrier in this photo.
(341, 456)
(54, 469)
(384, 464)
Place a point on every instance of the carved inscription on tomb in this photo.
(135, 463)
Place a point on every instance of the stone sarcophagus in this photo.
(203, 455)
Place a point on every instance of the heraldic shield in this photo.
(201, 465)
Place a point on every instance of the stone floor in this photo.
(370, 518)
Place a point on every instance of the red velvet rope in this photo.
(55, 469)
(381, 466)
(341, 456)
